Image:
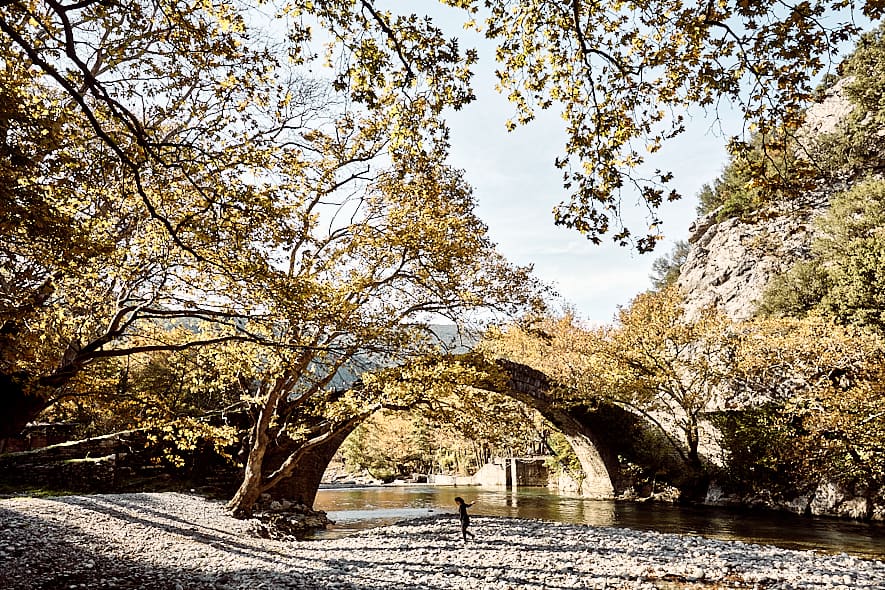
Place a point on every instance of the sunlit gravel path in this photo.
(175, 541)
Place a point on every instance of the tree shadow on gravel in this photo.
(431, 559)
(41, 554)
(135, 513)
(645, 554)
(38, 553)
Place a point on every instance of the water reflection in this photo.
(359, 508)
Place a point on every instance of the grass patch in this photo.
(30, 491)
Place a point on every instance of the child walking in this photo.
(463, 517)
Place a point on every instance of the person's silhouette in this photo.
(463, 517)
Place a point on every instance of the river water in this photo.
(354, 509)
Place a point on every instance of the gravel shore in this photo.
(176, 541)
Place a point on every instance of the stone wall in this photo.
(495, 473)
(37, 436)
(112, 463)
(90, 465)
(439, 479)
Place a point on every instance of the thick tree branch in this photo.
(391, 36)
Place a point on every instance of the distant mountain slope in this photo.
(448, 335)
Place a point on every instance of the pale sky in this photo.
(517, 186)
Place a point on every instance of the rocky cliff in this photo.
(728, 266)
(730, 262)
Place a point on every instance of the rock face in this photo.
(825, 116)
(728, 266)
(730, 263)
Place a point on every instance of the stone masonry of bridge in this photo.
(599, 464)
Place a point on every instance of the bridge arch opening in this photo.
(523, 384)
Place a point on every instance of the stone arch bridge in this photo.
(597, 436)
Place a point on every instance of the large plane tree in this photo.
(274, 175)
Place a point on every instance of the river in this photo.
(354, 509)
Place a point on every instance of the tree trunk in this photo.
(301, 486)
(253, 478)
(17, 407)
(693, 436)
(305, 480)
(250, 489)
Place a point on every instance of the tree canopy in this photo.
(161, 198)
(815, 160)
(622, 74)
(844, 277)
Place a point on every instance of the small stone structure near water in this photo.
(506, 472)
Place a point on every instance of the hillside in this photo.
(731, 259)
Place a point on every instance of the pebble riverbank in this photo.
(183, 542)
